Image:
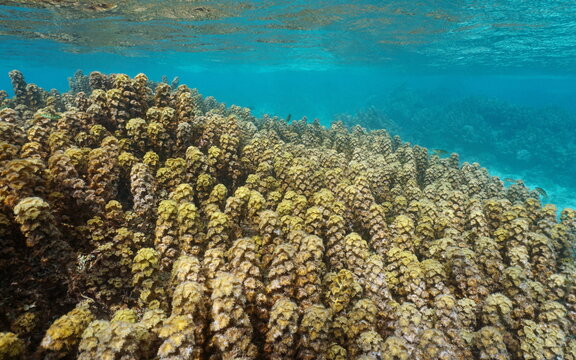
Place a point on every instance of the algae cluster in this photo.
(141, 220)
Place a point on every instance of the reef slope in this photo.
(140, 220)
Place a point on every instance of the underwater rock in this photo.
(201, 231)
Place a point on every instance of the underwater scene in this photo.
(219, 180)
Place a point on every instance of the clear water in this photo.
(492, 80)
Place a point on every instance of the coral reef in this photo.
(506, 135)
(144, 221)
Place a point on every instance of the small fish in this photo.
(510, 180)
(541, 191)
(288, 118)
(51, 117)
(439, 152)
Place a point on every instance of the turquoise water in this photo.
(494, 81)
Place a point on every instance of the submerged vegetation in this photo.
(143, 221)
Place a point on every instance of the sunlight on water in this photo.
(485, 35)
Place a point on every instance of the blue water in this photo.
(412, 63)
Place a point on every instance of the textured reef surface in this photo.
(511, 138)
(140, 220)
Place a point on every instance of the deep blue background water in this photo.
(314, 92)
(321, 59)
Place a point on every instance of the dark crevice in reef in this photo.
(140, 220)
